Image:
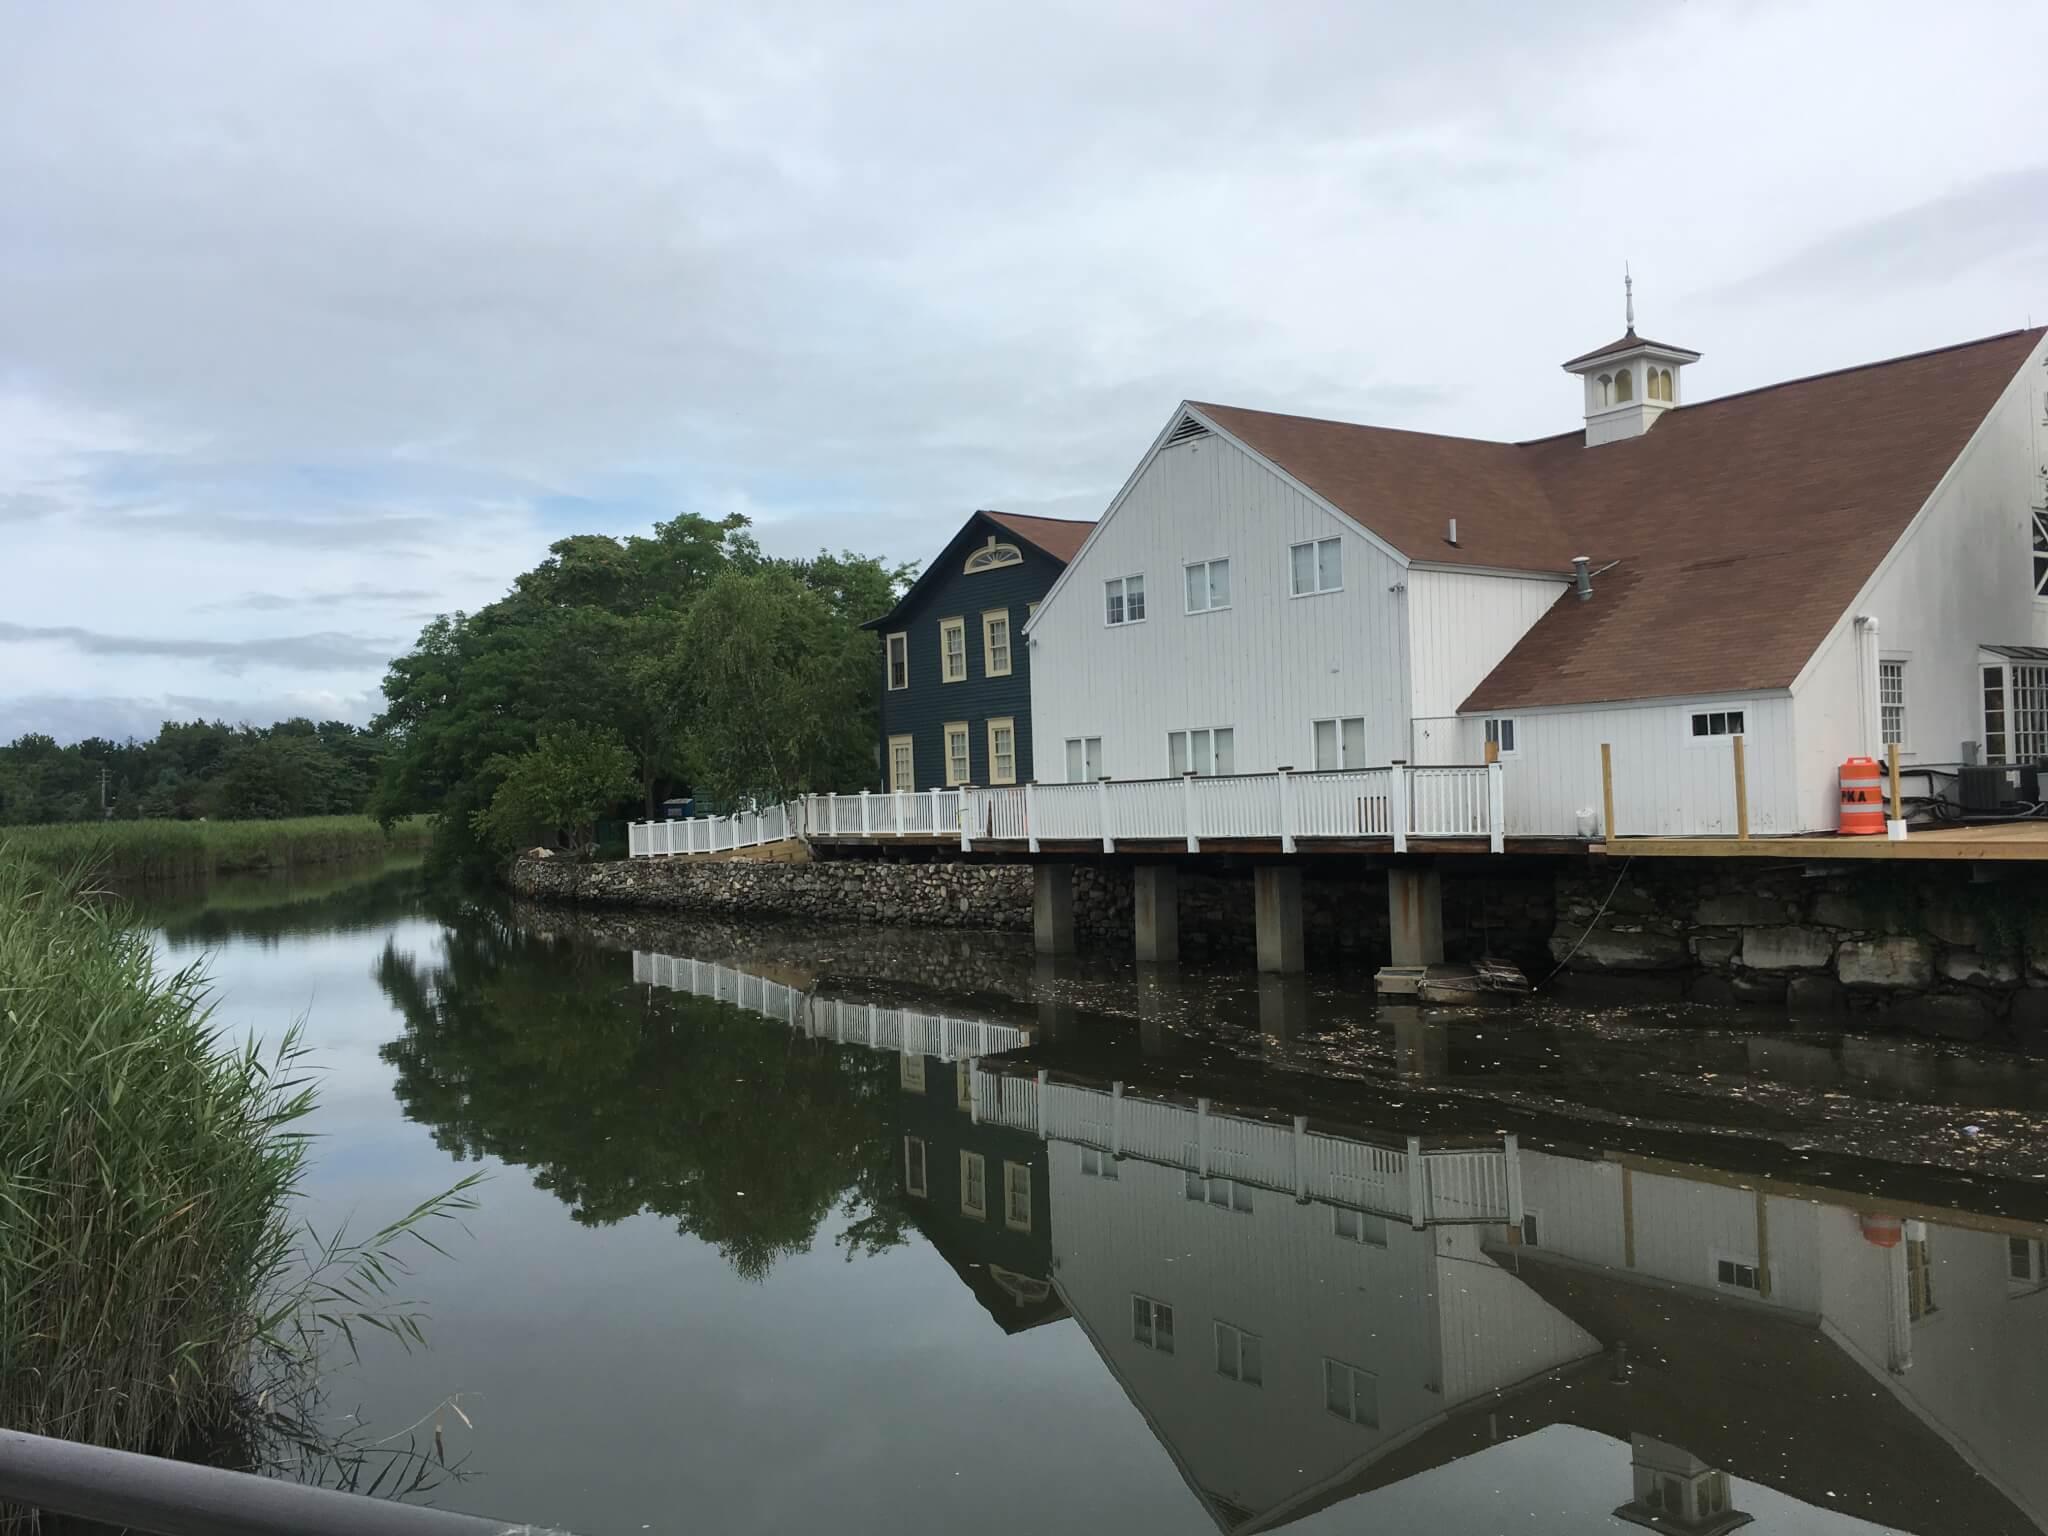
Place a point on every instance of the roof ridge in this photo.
(1361, 426)
(1881, 362)
(1036, 517)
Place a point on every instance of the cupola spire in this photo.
(1628, 297)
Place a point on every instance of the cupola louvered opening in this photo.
(1186, 430)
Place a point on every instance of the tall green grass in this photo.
(156, 1291)
(163, 850)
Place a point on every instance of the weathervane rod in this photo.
(1628, 289)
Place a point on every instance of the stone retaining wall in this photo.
(1921, 945)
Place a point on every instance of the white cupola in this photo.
(1629, 383)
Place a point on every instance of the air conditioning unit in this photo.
(1987, 790)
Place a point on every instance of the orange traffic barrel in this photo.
(1862, 796)
(1881, 1231)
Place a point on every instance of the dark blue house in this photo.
(956, 674)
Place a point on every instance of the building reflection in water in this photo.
(1320, 1322)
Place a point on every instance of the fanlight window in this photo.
(1624, 386)
(992, 555)
(1605, 384)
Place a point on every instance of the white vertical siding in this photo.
(1460, 625)
(1267, 666)
(1960, 578)
(1666, 783)
(1280, 1271)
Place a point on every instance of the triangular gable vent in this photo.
(1186, 430)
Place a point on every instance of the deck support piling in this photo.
(1155, 911)
(1052, 908)
(1415, 914)
(1276, 900)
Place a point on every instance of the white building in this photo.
(1819, 567)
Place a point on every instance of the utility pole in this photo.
(105, 814)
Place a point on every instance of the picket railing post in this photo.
(1031, 814)
(1102, 815)
(966, 823)
(1286, 777)
(1496, 808)
(1418, 1189)
(1398, 772)
(900, 819)
(864, 825)
(1187, 812)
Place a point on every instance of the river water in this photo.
(791, 1229)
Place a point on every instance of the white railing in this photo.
(1397, 803)
(1409, 1183)
(903, 1030)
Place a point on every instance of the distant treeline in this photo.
(202, 769)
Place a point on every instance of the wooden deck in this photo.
(2007, 842)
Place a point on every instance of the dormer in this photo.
(1629, 383)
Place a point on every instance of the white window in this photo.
(1237, 1355)
(1017, 1197)
(1737, 1273)
(1084, 759)
(1919, 1278)
(995, 643)
(1002, 751)
(1340, 743)
(1351, 1394)
(902, 763)
(973, 1186)
(1123, 599)
(1891, 702)
(1208, 585)
(1358, 1226)
(1532, 1229)
(1317, 566)
(958, 769)
(952, 650)
(2026, 1265)
(1500, 734)
(1994, 714)
(1224, 1194)
(1202, 752)
(2029, 712)
(899, 660)
(910, 1073)
(1708, 724)
(1097, 1164)
(1152, 1324)
(913, 1165)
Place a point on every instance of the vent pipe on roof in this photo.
(1582, 575)
(1451, 533)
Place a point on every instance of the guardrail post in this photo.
(1187, 811)
(1116, 1119)
(1286, 776)
(966, 826)
(832, 812)
(864, 825)
(1044, 1129)
(1300, 1155)
(1398, 792)
(1102, 815)
(1202, 1136)
(1418, 1186)
(900, 817)
(1031, 814)
(1513, 1147)
(974, 1090)
(1496, 807)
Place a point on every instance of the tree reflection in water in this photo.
(624, 1100)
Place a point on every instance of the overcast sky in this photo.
(316, 320)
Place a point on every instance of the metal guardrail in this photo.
(175, 1498)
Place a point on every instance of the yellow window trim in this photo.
(994, 775)
(988, 645)
(947, 627)
(919, 1186)
(992, 555)
(894, 743)
(952, 728)
(970, 1160)
(889, 644)
(1008, 1221)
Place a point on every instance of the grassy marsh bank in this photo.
(168, 850)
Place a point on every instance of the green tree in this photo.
(557, 791)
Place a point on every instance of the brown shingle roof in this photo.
(1629, 341)
(1060, 537)
(1744, 526)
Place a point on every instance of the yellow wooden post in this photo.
(1741, 793)
(1891, 756)
(1607, 791)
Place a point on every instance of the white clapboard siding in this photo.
(1267, 666)
(1460, 625)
